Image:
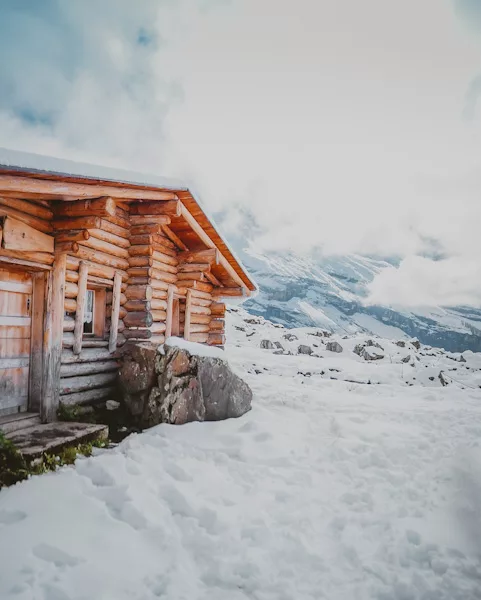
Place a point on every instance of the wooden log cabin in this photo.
(93, 257)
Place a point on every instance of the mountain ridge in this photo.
(330, 292)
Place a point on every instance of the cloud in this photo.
(420, 281)
(338, 125)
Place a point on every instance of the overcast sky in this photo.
(342, 125)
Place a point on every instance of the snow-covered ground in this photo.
(331, 487)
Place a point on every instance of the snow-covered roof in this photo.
(50, 167)
(28, 162)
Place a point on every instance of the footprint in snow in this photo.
(8, 517)
(55, 555)
(177, 472)
(263, 437)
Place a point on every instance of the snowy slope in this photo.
(328, 488)
(329, 292)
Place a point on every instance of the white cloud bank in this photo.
(338, 125)
(423, 282)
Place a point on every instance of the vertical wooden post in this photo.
(170, 312)
(188, 306)
(52, 343)
(114, 323)
(36, 348)
(80, 312)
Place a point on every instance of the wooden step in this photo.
(33, 441)
(18, 421)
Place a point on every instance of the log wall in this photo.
(102, 238)
(99, 233)
(153, 270)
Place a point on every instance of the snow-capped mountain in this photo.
(328, 292)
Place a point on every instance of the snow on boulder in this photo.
(368, 351)
(304, 349)
(267, 345)
(290, 337)
(334, 347)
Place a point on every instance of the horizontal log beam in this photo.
(30, 208)
(227, 292)
(65, 189)
(216, 339)
(169, 207)
(72, 235)
(100, 207)
(217, 325)
(218, 309)
(194, 267)
(77, 223)
(87, 355)
(139, 292)
(95, 395)
(86, 368)
(86, 382)
(138, 319)
(209, 256)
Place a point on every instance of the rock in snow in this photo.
(137, 377)
(368, 351)
(334, 347)
(267, 345)
(304, 349)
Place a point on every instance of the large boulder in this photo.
(192, 383)
(304, 349)
(137, 376)
(368, 351)
(267, 345)
(334, 347)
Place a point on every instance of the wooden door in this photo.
(15, 334)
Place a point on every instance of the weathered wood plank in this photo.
(86, 368)
(80, 312)
(52, 349)
(19, 236)
(115, 312)
(87, 396)
(82, 383)
(87, 355)
(37, 338)
(187, 316)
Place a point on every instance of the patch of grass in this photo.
(13, 466)
(66, 412)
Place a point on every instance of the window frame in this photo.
(99, 313)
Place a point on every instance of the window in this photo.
(89, 312)
(94, 313)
